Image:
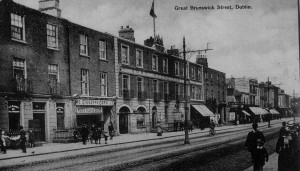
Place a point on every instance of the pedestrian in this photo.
(23, 139)
(260, 156)
(103, 133)
(94, 134)
(159, 129)
(175, 125)
(283, 130)
(212, 127)
(181, 125)
(252, 137)
(84, 133)
(3, 139)
(111, 130)
(220, 122)
(75, 135)
(190, 126)
(31, 138)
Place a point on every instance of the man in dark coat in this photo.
(175, 125)
(252, 137)
(22, 139)
(111, 130)
(84, 133)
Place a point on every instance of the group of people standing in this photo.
(22, 138)
(181, 125)
(95, 133)
(286, 146)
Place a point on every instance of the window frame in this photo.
(103, 85)
(177, 72)
(102, 51)
(22, 28)
(86, 82)
(193, 74)
(142, 84)
(50, 36)
(155, 62)
(193, 92)
(53, 73)
(155, 82)
(165, 66)
(85, 46)
(128, 59)
(15, 67)
(200, 74)
(128, 82)
(142, 58)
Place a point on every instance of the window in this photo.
(125, 54)
(193, 92)
(154, 63)
(200, 94)
(200, 74)
(176, 68)
(139, 58)
(155, 86)
(84, 82)
(17, 27)
(83, 44)
(166, 87)
(165, 65)
(53, 77)
(102, 49)
(19, 68)
(52, 36)
(103, 84)
(125, 82)
(177, 90)
(192, 73)
(140, 84)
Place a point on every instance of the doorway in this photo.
(40, 120)
(123, 120)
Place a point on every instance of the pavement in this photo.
(52, 151)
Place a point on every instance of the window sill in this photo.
(125, 63)
(17, 40)
(53, 48)
(84, 55)
(104, 60)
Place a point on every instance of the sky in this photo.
(259, 43)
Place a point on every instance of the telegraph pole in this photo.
(186, 138)
(269, 115)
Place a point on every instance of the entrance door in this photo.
(41, 125)
(123, 121)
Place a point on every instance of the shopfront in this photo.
(93, 112)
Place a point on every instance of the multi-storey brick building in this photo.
(149, 84)
(54, 74)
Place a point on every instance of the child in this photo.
(260, 156)
(31, 138)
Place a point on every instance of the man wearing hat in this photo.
(84, 133)
(252, 137)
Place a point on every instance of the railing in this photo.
(142, 95)
(128, 94)
(21, 85)
(167, 97)
(157, 96)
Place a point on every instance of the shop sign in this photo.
(13, 109)
(3, 105)
(231, 116)
(82, 102)
(91, 110)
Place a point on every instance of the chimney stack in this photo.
(50, 7)
(127, 33)
(201, 58)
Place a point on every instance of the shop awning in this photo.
(273, 111)
(246, 113)
(203, 110)
(258, 110)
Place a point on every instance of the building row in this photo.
(57, 75)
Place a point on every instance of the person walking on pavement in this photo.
(31, 138)
(84, 134)
(181, 125)
(260, 156)
(212, 127)
(175, 125)
(23, 139)
(251, 141)
(159, 129)
(3, 138)
(111, 130)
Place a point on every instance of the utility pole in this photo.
(269, 115)
(186, 138)
(294, 104)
